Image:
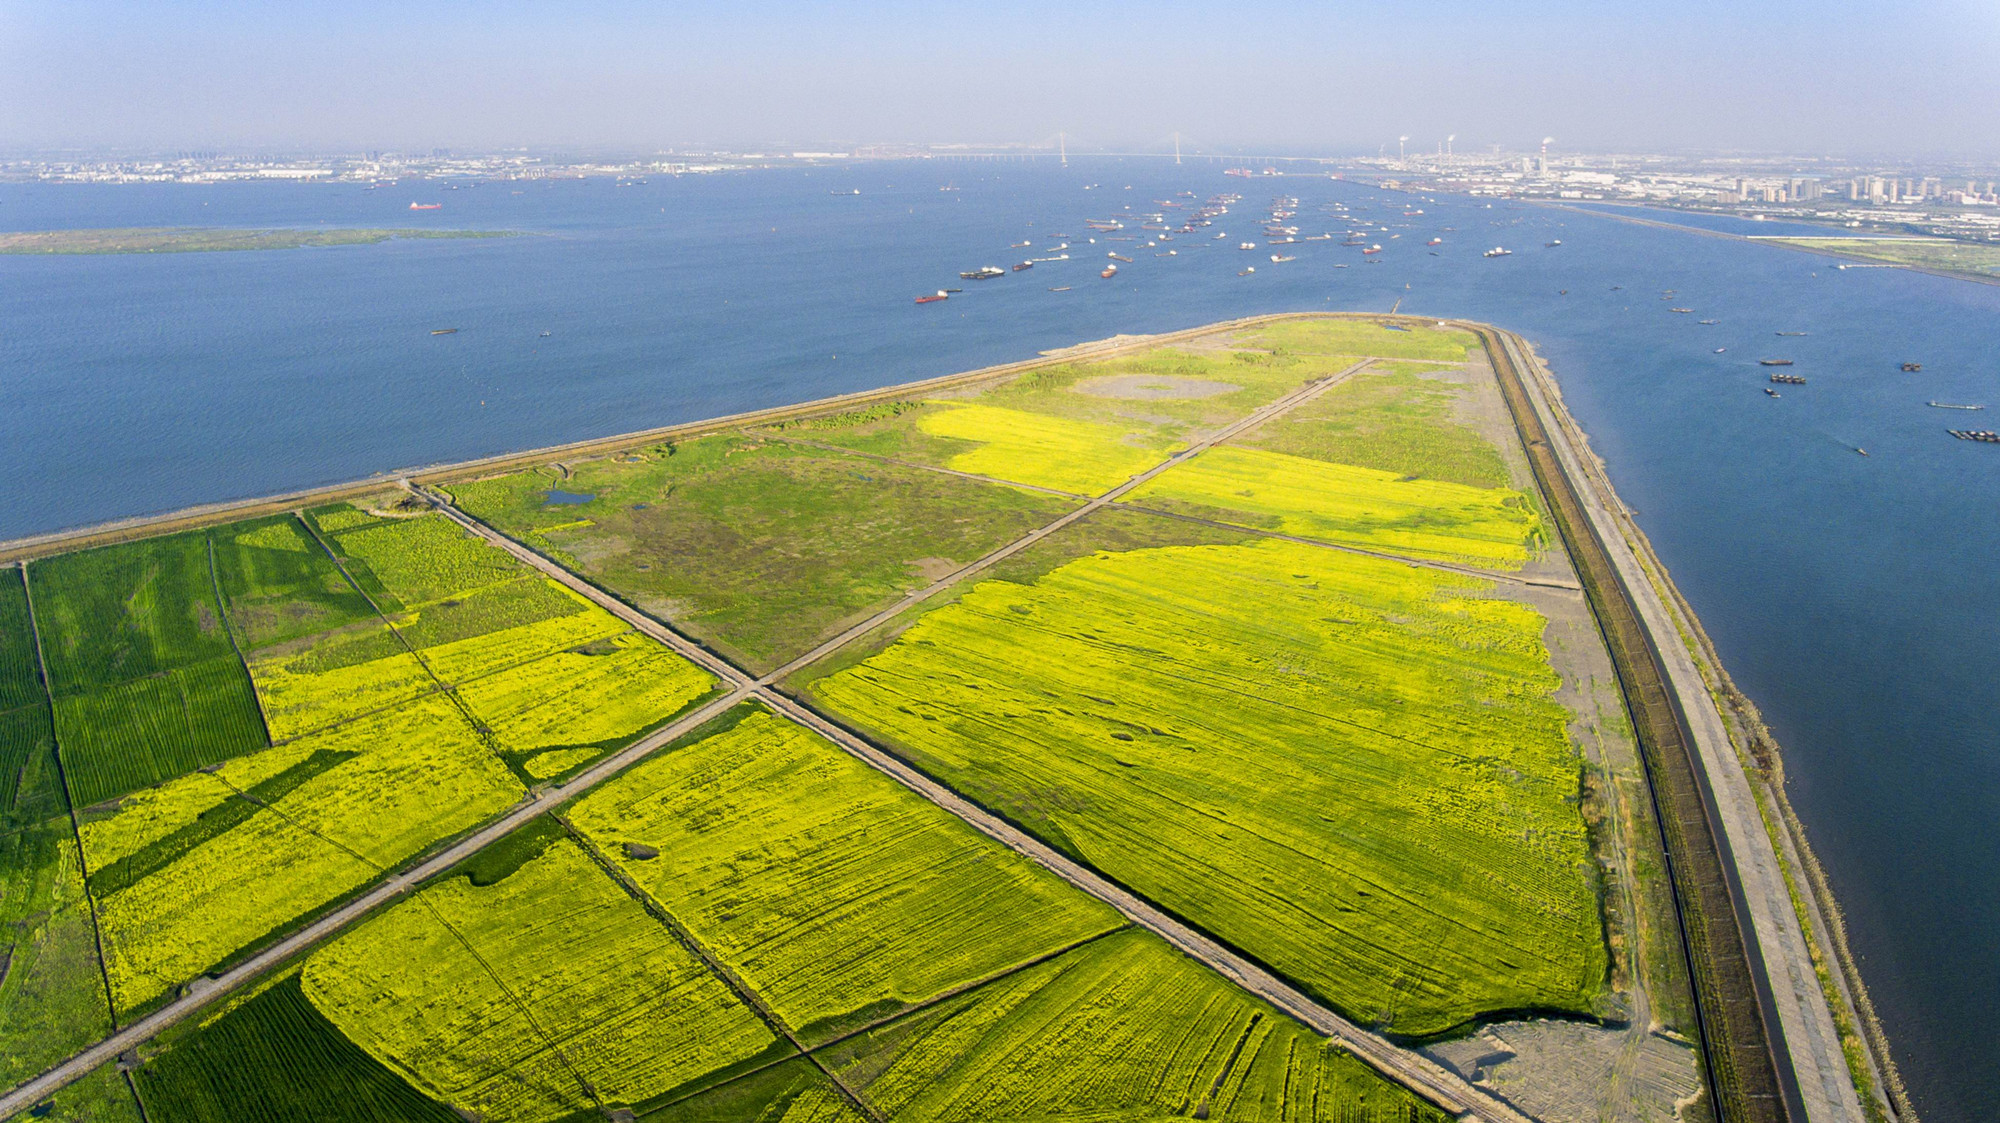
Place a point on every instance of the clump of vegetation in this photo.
(1351, 768)
(848, 419)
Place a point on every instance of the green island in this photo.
(1267, 630)
(1942, 254)
(204, 239)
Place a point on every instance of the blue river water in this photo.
(1853, 597)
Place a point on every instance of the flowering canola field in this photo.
(1351, 768)
(1367, 507)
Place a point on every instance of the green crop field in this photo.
(410, 561)
(121, 738)
(1360, 337)
(1122, 1028)
(1351, 768)
(31, 790)
(1392, 420)
(101, 1097)
(545, 991)
(1367, 507)
(520, 602)
(758, 547)
(52, 999)
(830, 890)
(118, 613)
(278, 584)
(276, 1059)
(20, 667)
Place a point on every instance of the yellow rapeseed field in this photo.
(1351, 768)
(831, 890)
(1341, 503)
(1085, 457)
(501, 999)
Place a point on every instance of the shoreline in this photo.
(1817, 910)
(1771, 240)
(1817, 913)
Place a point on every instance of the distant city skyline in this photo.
(1840, 77)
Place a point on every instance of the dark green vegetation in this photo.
(278, 584)
(136, 734)
(1396, 421)
(119, 613)
(147, 682)
(101, 1097)
(758, 547)
(52, 1000)
(276, 1059)
(20, 667)
(200, 239)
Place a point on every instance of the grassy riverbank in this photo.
(189, 239)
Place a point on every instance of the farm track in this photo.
(1768, 1034)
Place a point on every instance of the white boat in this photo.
(1497, 251)
(1282, 257)
(1247, 246)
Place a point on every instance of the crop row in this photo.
(411, 561)
(1351, 768)
(121, 738)
(20, 667)
(275, 1059)
(397, 781)
(122, 612)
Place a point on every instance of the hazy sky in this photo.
(1837, 76)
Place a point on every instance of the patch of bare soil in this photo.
(1570, 1072)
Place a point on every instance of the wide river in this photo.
(1856, 599)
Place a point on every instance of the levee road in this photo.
(1773, 1051)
